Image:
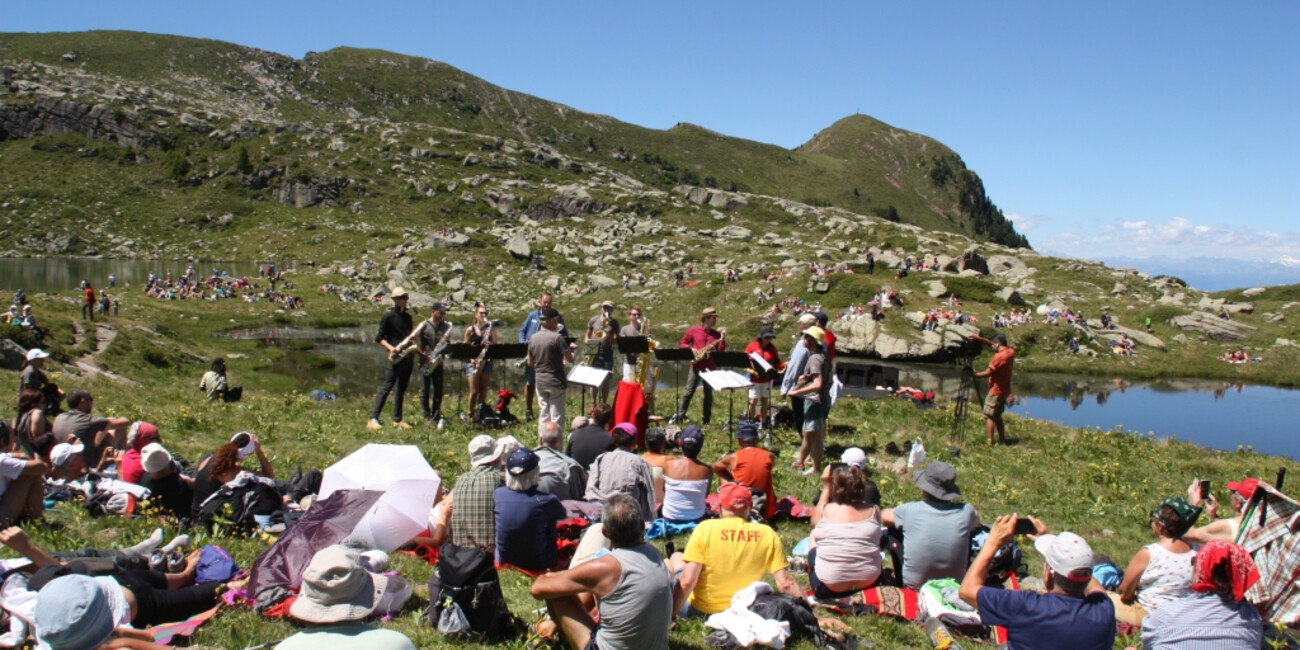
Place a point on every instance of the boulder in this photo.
(970, 259)
(1211, 326)
(552, 283)
(734, 232)
(1253, 291)
(518, 247)
(602, 282)
(936, 288)
(1214, 304)
(12, 355)
(449, 240)
(1007, 267)
(1010, 296)
(304, 193)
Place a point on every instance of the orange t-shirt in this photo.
(1000, 367)
(754, 470)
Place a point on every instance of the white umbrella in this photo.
(409, 485)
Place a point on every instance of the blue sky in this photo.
(1105, 129)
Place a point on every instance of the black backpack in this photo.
(254, 498)
(467, 580)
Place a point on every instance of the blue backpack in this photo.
(215, 565)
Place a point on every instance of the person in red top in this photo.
(88, 309)
(750, 466)
(700, 339)
(760, 388)
(822, 320)
(999, 376)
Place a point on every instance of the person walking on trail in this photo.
(88, 307)
(999, 376)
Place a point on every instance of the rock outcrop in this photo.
(1211, 325)
(304, 193)
(50, 116)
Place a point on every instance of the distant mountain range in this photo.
(1216, 274)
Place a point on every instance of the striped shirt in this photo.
(1203, 621)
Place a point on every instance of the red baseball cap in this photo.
(1245, 487)
(735, 497)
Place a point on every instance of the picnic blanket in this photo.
(1275, 547)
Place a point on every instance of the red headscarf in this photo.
(1241, 569)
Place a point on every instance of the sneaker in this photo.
(373, 424)
(401, 425)
(810, 470)
(796, 466)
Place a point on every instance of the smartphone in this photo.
(1205, 488)
(1025, 526)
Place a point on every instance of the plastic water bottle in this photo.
(939, 635)
(917, 457)
(442, 422)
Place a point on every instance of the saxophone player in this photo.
(603, 328)
(432, 333)
(702, 340)
(393, 329)
(635, 327)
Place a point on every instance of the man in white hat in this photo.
(337, 594)
(1074, 613)
(473, 522)
(394, 327)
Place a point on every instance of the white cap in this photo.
(854, 456)
(154, 457)
(248, 449)
(63, 452)
(37, 353)
(1067, 554)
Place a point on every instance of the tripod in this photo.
(968, 388)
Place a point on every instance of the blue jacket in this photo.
(534, 322)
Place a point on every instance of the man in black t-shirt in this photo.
(587, 443)
(395, 326)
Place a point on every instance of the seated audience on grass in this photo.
(592, 439)
(630, 582)
(686, 480)
(140, 435)
(560, 475)
(337, 594)
(150, 554)
(95, 434)
(74, 613)
(1216, 614)
(726, 555)
(1161, 571)
(622, 472)
(936, 530)
(31, 421)
(473, 520)
(844, 551)
(1073, 614)
(67, 462)
(750, 466)
(169, 490)
(32, 377)
(525, 516)
(1226, 528)
(223, 466)
(656, 445)
(853, 457)
(22, 482)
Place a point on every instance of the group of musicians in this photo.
(549, 347)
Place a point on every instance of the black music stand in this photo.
(675, 354)
(462, 352)
(729, 381)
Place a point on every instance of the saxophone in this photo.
(408, 346)
(705, 351)
(437, 355)
(643, 360)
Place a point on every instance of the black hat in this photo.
(549, 313)
(766, 332)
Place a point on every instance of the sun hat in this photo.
(807, 319)
(399, 293)
(938, 480)
(72, 613)
(766, 332)
(154, 458)
(37, 353)
(818, 334)
(1067, 554)
(336, 588)
(607, 303)
(747, 430)
(708, 311)
(854, 456)
(483, 450)
(1245, 487)
(507, 444)
(735, 497)
(249, 447)
(63, 452)
(521, 461)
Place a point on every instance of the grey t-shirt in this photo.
(637, 613)
(936, 540)
(83, 427)
(546, 348)
(819, 365)
(607, 343)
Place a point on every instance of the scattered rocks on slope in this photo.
(1211, 326)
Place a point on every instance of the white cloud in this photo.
(1176, 238)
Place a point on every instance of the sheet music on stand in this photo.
(762, 363)
(725, 379)
(588, 376)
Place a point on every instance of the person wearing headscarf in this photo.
(1216, 614)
